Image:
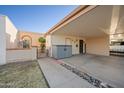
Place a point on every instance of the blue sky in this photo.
(36, 18)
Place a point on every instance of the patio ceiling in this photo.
(94, 23)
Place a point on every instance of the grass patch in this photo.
(22, 75)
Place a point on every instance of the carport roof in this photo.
(86, 21)
(68, 17)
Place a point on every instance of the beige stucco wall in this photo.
(49, 45)
(11, 34)
(98, 45)
(34, 37)
(2, 41)
(21, 55)
(63, 40)
(9, 39)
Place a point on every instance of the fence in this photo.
(41, 53)
(14, 55)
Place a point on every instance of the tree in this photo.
(42, 45)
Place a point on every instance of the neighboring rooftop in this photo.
(30, 32)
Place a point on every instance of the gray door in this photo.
(61, 51)
(68, 51)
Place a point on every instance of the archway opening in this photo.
(26, 40)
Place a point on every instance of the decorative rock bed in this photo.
(87, 77)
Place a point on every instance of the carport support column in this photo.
(2, 41)
(114, 19)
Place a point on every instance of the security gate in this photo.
(41, 53)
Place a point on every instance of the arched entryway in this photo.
(27, 41)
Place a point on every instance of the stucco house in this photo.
(87, 29)
(8, 37)
(12, 42)
(31, 37)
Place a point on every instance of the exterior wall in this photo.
(34, 37)
(15, 55)
(98, 45)
(49, 45)
(11, 34)
(2, 41)
(63, 40)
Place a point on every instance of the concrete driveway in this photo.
(107, 69)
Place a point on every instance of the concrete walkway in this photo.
(59, 77)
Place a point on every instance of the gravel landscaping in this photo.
(22, 75)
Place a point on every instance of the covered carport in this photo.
(93, 25)
(88, 23)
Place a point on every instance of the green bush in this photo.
(42, 45)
